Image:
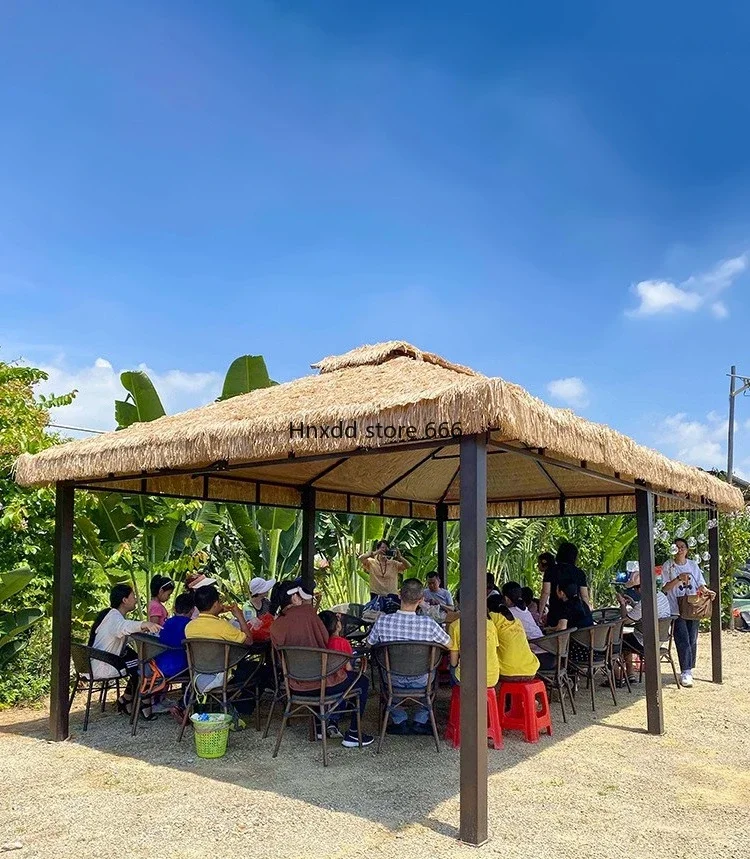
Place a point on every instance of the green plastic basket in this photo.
(211, 736)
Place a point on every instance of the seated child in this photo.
(532, 604)
(493, 667)
(336, 641)
(173, 634)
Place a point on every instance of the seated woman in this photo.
(516, 662)
(493, 667)
(573, 613)
(110, 633)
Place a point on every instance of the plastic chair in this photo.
(316, 665)
(83, 655)
(215, 656)
(524, 707)
(408, 659)
(558, 644)
(494, 729)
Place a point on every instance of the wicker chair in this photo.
(604, 615)
(148, 647)
(597, 640)
(215, 656)
(666, 636)
(617, 656)
(84, 681)
(316, 665)
(558, 644)
(407, 659)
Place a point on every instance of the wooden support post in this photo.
(62, 607)
(442, 543)
(308, 539)
(473, 639)
(714, 582)
(644, 512)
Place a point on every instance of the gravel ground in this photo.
(600, 787)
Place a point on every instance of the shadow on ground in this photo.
(396, 788)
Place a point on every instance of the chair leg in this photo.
(359, 722)
(103, 695)
(590, 686)
(188, 705)
(571, 695)
(384, 722)
(282, 728)
(324, 735)
(561, 692)
(435, 734)
(625, 675)
(611, 679)
(88, 706)
(258, 696)
(674, 670)
(73, 694)
(270, 716)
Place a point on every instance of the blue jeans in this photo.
(398, 714)
(686, 642)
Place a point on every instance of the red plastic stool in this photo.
(494, 731)
(524, 707)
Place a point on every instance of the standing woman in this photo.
(682, 577)
(383, 567)
(545, 563)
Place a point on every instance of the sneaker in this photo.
(686, 678)
(332, 732)
(351, 740)
(421, 729)
(400, 730)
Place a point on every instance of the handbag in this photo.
(695, 607)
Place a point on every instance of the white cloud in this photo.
(664, 296)
(696, 442)
(658, 296)
(99, 386)
(571, 391)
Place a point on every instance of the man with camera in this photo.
(383, 565)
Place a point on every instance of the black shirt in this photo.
(576, 612)
(561, 574)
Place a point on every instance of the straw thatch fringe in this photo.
(410, 388)
(381, 352)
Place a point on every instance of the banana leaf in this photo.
(246, 373)
(141, 404)
(13, 623)
(14, 581)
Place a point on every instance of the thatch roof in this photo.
(245, 449)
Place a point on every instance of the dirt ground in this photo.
(600, 787)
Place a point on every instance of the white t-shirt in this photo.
(670, 571)
(527, 622)
(663, 608)
(112, 636)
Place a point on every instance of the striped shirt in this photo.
(406, 626)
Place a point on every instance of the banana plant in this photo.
(13, 624)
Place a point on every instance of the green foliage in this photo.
(25, 678)
(246, 373)
(142, 402)
(734, 550)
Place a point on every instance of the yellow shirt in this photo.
(493, 668)
(211, 626)
(383, 576)
(514, 655)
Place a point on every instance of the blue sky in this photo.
(555, 194)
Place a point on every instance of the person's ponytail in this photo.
(513, 592)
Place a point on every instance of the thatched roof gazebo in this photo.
(391, 430)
